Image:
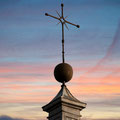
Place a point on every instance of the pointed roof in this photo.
(64, 96)
(65, 93)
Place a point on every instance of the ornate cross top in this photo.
(63, 21)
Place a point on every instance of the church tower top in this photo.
(64, 106)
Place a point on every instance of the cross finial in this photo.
(63, 22)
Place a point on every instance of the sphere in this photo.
(63, 72)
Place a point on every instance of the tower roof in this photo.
(64, 96)
(65, 93)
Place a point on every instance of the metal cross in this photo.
(63, 21)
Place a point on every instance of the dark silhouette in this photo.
(5, 117)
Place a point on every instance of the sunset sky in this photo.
(30, 48)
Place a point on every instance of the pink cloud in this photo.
(24, 68)
(24, 72)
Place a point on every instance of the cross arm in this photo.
(72, 23)
(52, 16)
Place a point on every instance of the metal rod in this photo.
(63, 58)
(63, 52)
(62, 9)
(52, 16)
(72, 23)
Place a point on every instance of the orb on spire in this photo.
(63, 72)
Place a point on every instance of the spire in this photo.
(64, 105)
(64, 95)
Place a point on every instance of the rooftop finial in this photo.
(63, 22)
(63, 72)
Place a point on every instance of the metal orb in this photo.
(63, 72)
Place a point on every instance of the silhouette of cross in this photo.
(63, 21)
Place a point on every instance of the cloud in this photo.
(11, 72)
(113, 50)
(17, 67)
(30, 93)
(110, 59)
(4, 117)
(112, 102)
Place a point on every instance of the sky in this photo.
(30, 48)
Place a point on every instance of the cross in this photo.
(63, 21)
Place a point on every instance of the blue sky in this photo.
(30, 48)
